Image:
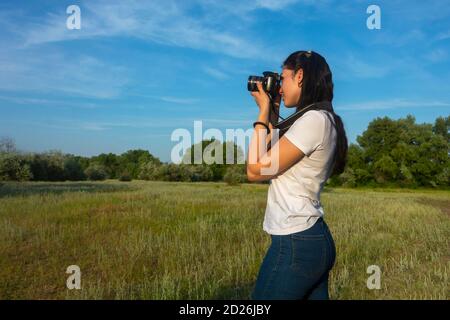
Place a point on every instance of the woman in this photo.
(302, 252)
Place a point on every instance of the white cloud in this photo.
(29, 63)
(215, 73)
(169, 22)
(47, 102)
(178, 100)
(398, 39)
(437, 55)
(52, 72)
(274, 4)
(352, 66)
(442, 36)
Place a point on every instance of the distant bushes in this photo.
(389, 153)
(14, 167)
(174, 172)
(96, 172)
(133, 164)
(49, 166)
(125, 176)
(73, 169)
(56, 166)
(235, 174)
(149, 171)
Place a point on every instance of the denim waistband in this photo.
(317, 228)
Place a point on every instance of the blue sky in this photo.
(137, 70)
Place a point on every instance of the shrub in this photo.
(347, 178)
(73, 170)
(125, 176)
(95, 172)
(235, 174)
(174, 172)
(201, 173)
(14, 167)
(148, 171)
(48, 166)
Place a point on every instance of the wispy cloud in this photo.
(437, 55)
(353, 66)
(396, 39)
(167, 22)
(213, 72)
(92, 126)
(274, 4)
(82, 75)
(442, 36)
(170, 99)
(48, 102)
(179, 100)
(362, 69)
(136, 123)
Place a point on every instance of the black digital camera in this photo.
(270, 82)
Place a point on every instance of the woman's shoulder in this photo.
(310, 123)
(322, 115)
(317, 113)
(312, 120)
(312, 116)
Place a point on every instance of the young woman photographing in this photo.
(314, 147)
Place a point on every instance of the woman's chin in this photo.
(287, 104)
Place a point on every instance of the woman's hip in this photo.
(311, 251)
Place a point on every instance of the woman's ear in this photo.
(299, 77)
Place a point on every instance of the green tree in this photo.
(235, 174)
(379, 139)
(14, 167)
(442, 127)
(132, 160)
(385, 169)
(347, 178)
(149, 171)
(110, 162)
(47, 166)
(125, 176)
(96, 172)
(218, 156)
(402, 152)
(73, 170)
(174, 172)
(201, 172)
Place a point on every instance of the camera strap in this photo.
(285, 124)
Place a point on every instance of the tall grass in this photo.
(167, 240)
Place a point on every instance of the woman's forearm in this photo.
(256, 148)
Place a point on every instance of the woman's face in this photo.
(290, 89)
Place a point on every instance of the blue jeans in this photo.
(297, 265)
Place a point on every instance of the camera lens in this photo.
(252, 80)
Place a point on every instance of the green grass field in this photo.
(162, 240)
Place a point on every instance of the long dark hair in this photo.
(317, 86)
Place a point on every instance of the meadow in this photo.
(172, 240)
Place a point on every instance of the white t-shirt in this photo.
(293, 202)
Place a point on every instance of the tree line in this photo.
(389, 152)
(132, 164)
(399, 153)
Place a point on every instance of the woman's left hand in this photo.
(261, 98)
